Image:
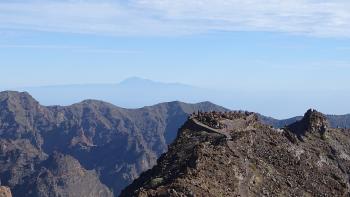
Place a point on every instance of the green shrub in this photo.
(156, 182)
(324, 136)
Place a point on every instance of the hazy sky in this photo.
(257, 46)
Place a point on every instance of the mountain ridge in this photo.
(125, 93)
(240, 156)
(118, 143)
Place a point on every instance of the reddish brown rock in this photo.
(5, 192)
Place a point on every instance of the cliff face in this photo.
(62, 175)
(118, 144)
(244, 157)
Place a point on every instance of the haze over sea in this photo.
(278, 59)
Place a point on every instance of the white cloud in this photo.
(71, 48)
(174, 17)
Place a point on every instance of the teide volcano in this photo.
(233, 154)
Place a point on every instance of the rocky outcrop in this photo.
(248, 158)
(118, 144)
(5, 192)
(313, 123)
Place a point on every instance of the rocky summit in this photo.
(313, 122)
(233, 154)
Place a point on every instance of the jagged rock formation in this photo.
(248, 158)
(313, 122)
(118, 144)
(5, 192)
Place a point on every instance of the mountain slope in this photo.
(339, 121)
(62, 175)
(236, 155)
(117, 143)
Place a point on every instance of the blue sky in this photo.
(261, 47)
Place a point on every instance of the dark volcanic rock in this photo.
(18, 159)
(117, 143)
(62, 175)
(248, 158)
(313, 122)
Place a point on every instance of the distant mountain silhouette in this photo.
(136, 92)
(131, 93)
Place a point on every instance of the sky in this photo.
(295, 50)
